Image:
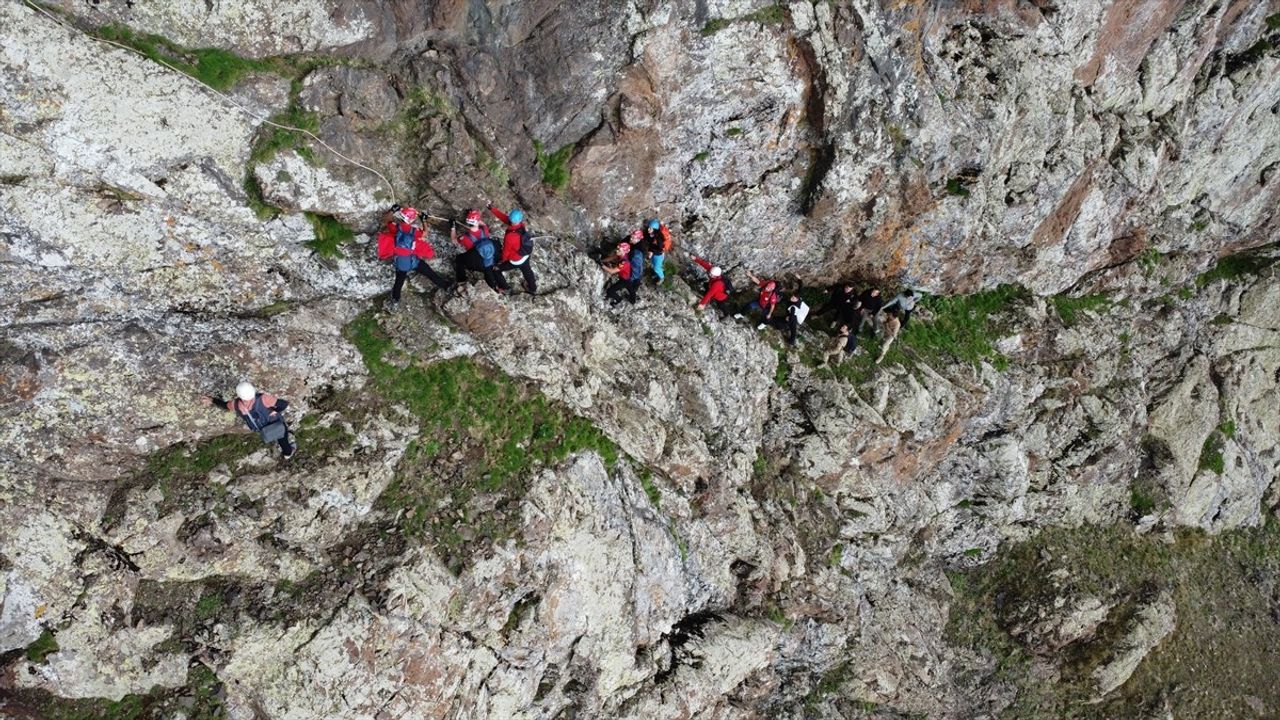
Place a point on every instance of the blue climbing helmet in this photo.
(653, 223)
(517, 217)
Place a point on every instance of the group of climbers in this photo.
(403, 242)
(647, 246)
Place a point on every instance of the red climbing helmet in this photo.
(473, 218)
(409, 214)
(624, 248)
(771, 286)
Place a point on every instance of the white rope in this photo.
(220, 95)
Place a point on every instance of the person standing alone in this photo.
(263, 413)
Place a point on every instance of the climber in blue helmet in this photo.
(656, 244)
(517, 248)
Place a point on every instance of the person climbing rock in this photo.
(837, 346)
(262, 413)
(872, 303)
(905, 301)
(797, 312)
(404, 244)
(889, 328)
(517, 247)
(627, 266)
(846, 305)
(479, 253)
(764, 303)
(718, 287)
(657, 243)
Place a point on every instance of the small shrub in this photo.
(955, 186)
(1211, 458)
(555, 167)
(701, 156)
(1236, 266)
(1069, 308)
(1141, 503)
(733, 132)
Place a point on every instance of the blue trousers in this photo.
(657, 267)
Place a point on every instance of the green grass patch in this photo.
(733, 132)
(481, 434)
(1273, 21)
(215, 67)
(1219, 658)
(209, 605)
(330, 235)
(768, 15)
(274, 140)
(650, 488)
(715, 25)
(1070, 307)
(962, 330)
(701, 156)
(44, 646)
(1234, 267)
(1211, 458)
(555, 166)
(199, 699)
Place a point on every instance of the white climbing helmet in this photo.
(716, 272)
(245, 391)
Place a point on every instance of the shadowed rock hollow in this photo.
(1055, 497)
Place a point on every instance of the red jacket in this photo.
(511, 240)
(768, 298)
(387, 243)
(715, 288)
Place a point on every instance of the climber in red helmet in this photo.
(405, 245)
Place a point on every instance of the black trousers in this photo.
(526, 270)
(471, 261)
(789, 326)
(614, 291)
(423, 268)
(286, 447)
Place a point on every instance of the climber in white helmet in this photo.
(718, 288)
(263, 413)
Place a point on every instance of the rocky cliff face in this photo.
(1041, 503)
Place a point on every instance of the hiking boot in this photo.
(739, 316)
(761, 327)
(289, 456)
(391, 306)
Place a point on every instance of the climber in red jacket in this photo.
(517, 247)
(404, 244)
(718, 288)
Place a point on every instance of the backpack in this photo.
(637, 264)
(486, 251)
(728, 284)
(259, 420)
(663, 239)
(526, 243)
(405, 237)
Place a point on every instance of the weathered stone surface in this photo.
(773, 530)
(1152, 623)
